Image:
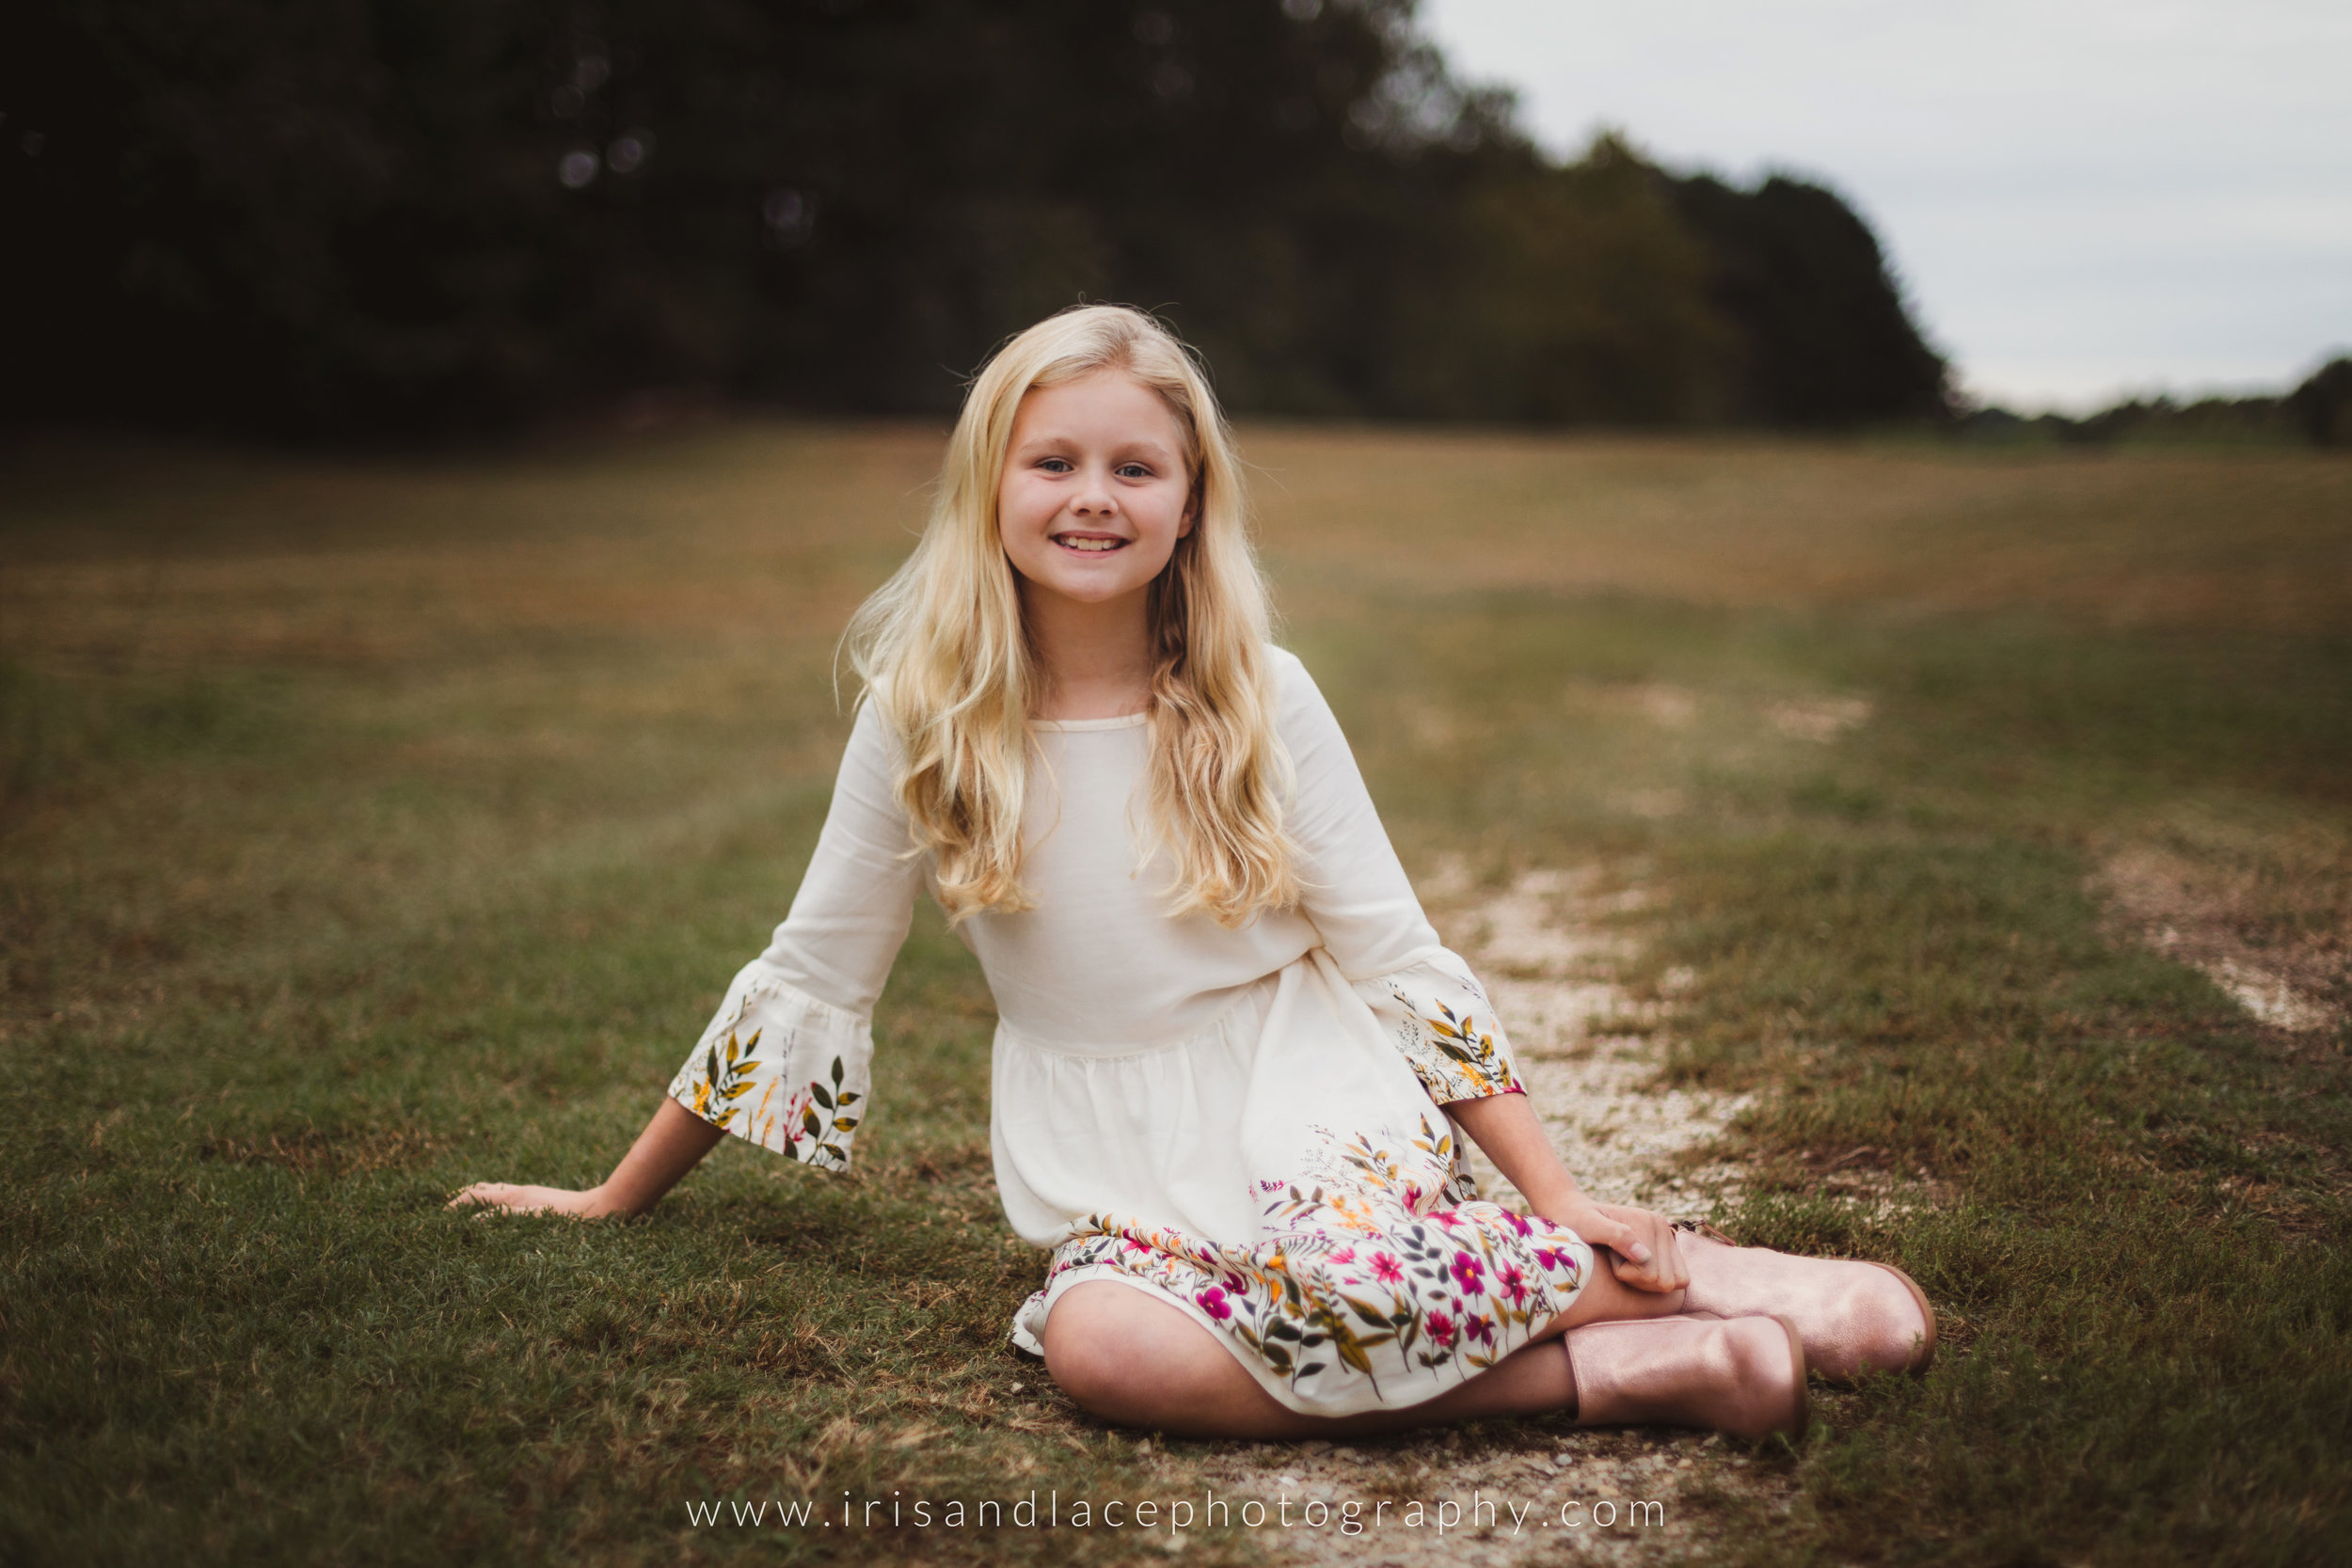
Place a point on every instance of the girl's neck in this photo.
(1095, 659)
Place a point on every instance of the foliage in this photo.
(2318, 412)
(2323, 404)
(385, 215)
(1822, 338)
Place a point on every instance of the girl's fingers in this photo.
(1628, 1244)
(1617, 1236)
(1646, 1242)
(1678, 1271)
(1669, 1256)
(1648, 1255)
(1640, 1277)
(481, 1195)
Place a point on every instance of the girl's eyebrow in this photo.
(1151, 446)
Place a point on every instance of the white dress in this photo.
(1243, 1122)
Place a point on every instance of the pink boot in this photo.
(1744, 1376)
(1854, 1316)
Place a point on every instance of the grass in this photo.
(371, 827)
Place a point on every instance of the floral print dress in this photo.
(1247, 1124)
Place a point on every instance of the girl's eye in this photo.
(1134, 471)
(1055, 465)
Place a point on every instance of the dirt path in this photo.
(1544, 952)
(2201, 915)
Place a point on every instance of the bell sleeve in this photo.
(1355, 893)
(787, 1062)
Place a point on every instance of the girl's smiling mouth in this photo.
(1090, 543)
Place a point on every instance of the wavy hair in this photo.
(943, 654)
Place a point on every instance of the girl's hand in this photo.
(1505, 1127)
(1648, 1255)
(508, 1198)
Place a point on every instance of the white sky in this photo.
(2083, 197)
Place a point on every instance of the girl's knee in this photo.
(1089, 1350)
(1086, 1365)
(1129, 1358)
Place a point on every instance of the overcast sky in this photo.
(2083, 197)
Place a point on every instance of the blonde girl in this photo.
(1234, 1065)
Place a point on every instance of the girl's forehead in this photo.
(1107, 404)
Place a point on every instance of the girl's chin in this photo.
(1084, 588)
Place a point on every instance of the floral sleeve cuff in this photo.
(779, 1068)
(1444, 1026)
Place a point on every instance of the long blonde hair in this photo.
(943, 654)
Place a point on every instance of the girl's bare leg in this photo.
(1133, 1360)
(673, 1143)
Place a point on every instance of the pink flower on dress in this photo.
(1344, 1254)
(1514, 1283)
(1479, 1329)
(1517, 1224)
(1467, 1270)
(1212, 1302)
(1412, 1194)
(1441, 1328)
(1134, 1246)
(1384, 1267)
(1446, 1217)
(1547, 1258)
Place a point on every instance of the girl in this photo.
(1233, 1062)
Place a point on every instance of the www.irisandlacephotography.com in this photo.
(1476, 1513)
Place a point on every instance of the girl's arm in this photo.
(786, 1062)
(1363, 905)
(1504, 1127)
(672, 1144)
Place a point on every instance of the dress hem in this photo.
(1030, 1322)
(1031, 1319)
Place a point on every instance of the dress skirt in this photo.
(1285, 1178)
(1354, 1300)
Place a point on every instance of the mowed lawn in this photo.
(371, 826)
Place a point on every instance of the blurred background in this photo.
(389, 217)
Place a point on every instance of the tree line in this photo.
(2318, 412)
(340, 217)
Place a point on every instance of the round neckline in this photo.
(1124, 721)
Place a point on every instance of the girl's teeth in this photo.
(1091, 544)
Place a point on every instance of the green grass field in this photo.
(373, 826)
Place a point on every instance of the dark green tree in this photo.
(2322, 405)
(1826, 339)
(343, 217)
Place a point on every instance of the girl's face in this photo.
(1096, 491)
